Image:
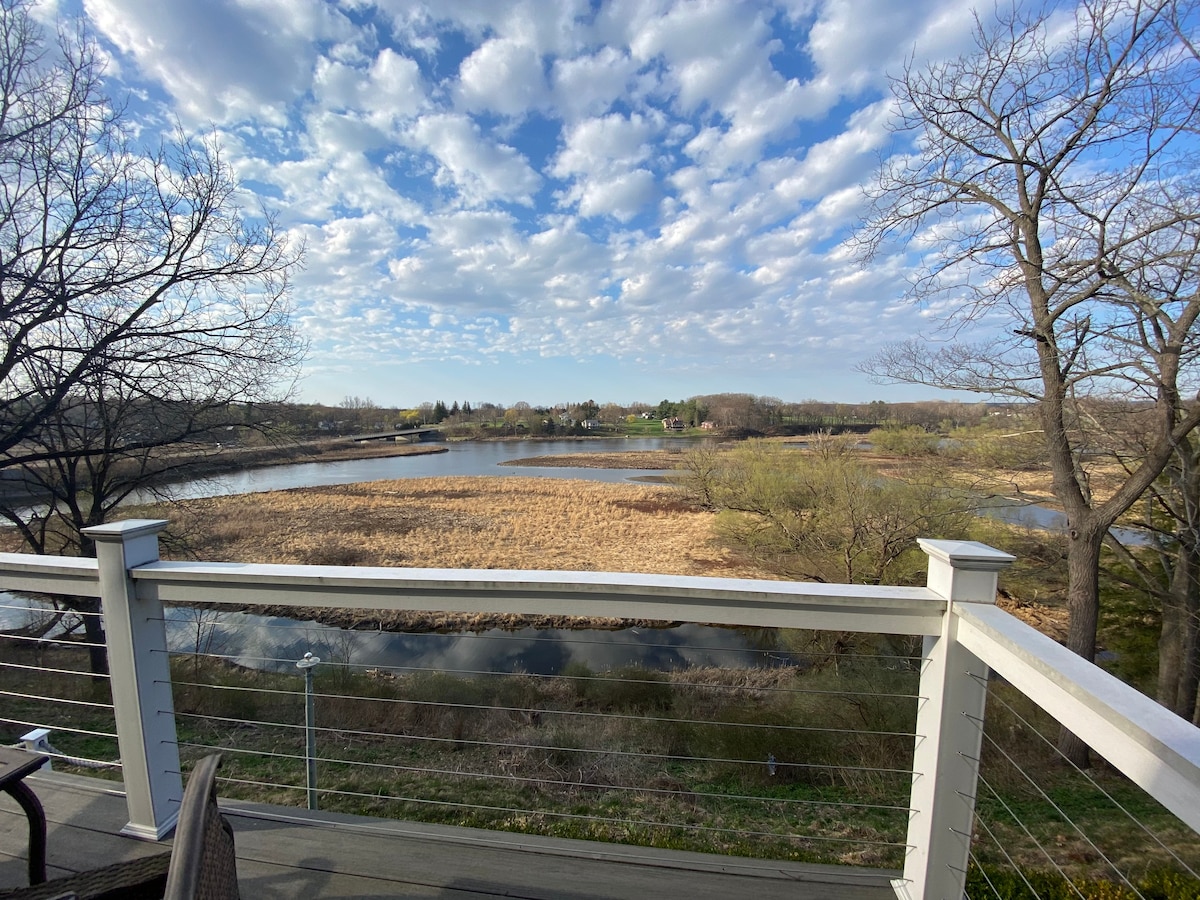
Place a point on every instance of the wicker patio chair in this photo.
(138, 879)
(203, 861)
(200, 866)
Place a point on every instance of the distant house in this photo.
(673, 423)
(708, 426)
(590, 424)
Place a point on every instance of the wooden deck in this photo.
(282, 853)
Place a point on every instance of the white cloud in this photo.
(384, 93)
(480, 170)
(622, 196)
(855, 43)
(635, 180)
(224, 60)
(590, 84)
(502, 76)
(599, 144)
(844, 159)
(604, 159)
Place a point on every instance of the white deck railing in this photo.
(964, 633)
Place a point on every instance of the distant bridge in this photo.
(402, 434)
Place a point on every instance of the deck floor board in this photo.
(283, 853)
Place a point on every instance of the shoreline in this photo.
(652, 460)
(412, 622)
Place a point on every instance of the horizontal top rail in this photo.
(50, 574)
(1152, 746)
(677, 598)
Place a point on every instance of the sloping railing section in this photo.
(961, 821)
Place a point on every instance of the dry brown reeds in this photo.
(464, 522)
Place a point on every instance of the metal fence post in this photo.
(140, 674)
(308, 663)
(946, 759)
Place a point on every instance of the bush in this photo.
(632, 689)
(777, 752)
(910, 441)
(1023, 451)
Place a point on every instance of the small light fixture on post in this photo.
(310, 729)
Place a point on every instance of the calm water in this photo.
(272, 643)
(263, 642)
(462, 459)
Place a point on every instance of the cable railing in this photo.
(751, 748)
(1046, 827)
(46, 686)
(819, 750)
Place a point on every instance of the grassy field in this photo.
(462, 522)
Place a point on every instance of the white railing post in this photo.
(949, 728)
(141, 678)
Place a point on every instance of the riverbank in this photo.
(463, 510)
(238, 459)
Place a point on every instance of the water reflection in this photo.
(274, 644)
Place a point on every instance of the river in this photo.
(461, 459)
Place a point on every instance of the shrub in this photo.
(627, 689)
(910, 441)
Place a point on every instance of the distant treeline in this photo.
(727, 412)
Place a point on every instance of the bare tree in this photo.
(140, 309)
(104, 249)
(822, 516)
(1052, 187)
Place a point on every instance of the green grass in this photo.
(643, 428)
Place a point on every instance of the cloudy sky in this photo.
(554, 200)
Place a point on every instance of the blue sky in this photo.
(551, 201)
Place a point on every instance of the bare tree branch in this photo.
(1051, 184)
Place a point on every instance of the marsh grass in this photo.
(1034, 808)
(627, 755)
(481, 522)
(515, 752)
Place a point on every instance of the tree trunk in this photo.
(1189, 682)
(93, 628)
(1083, 600)
(1178, 670)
